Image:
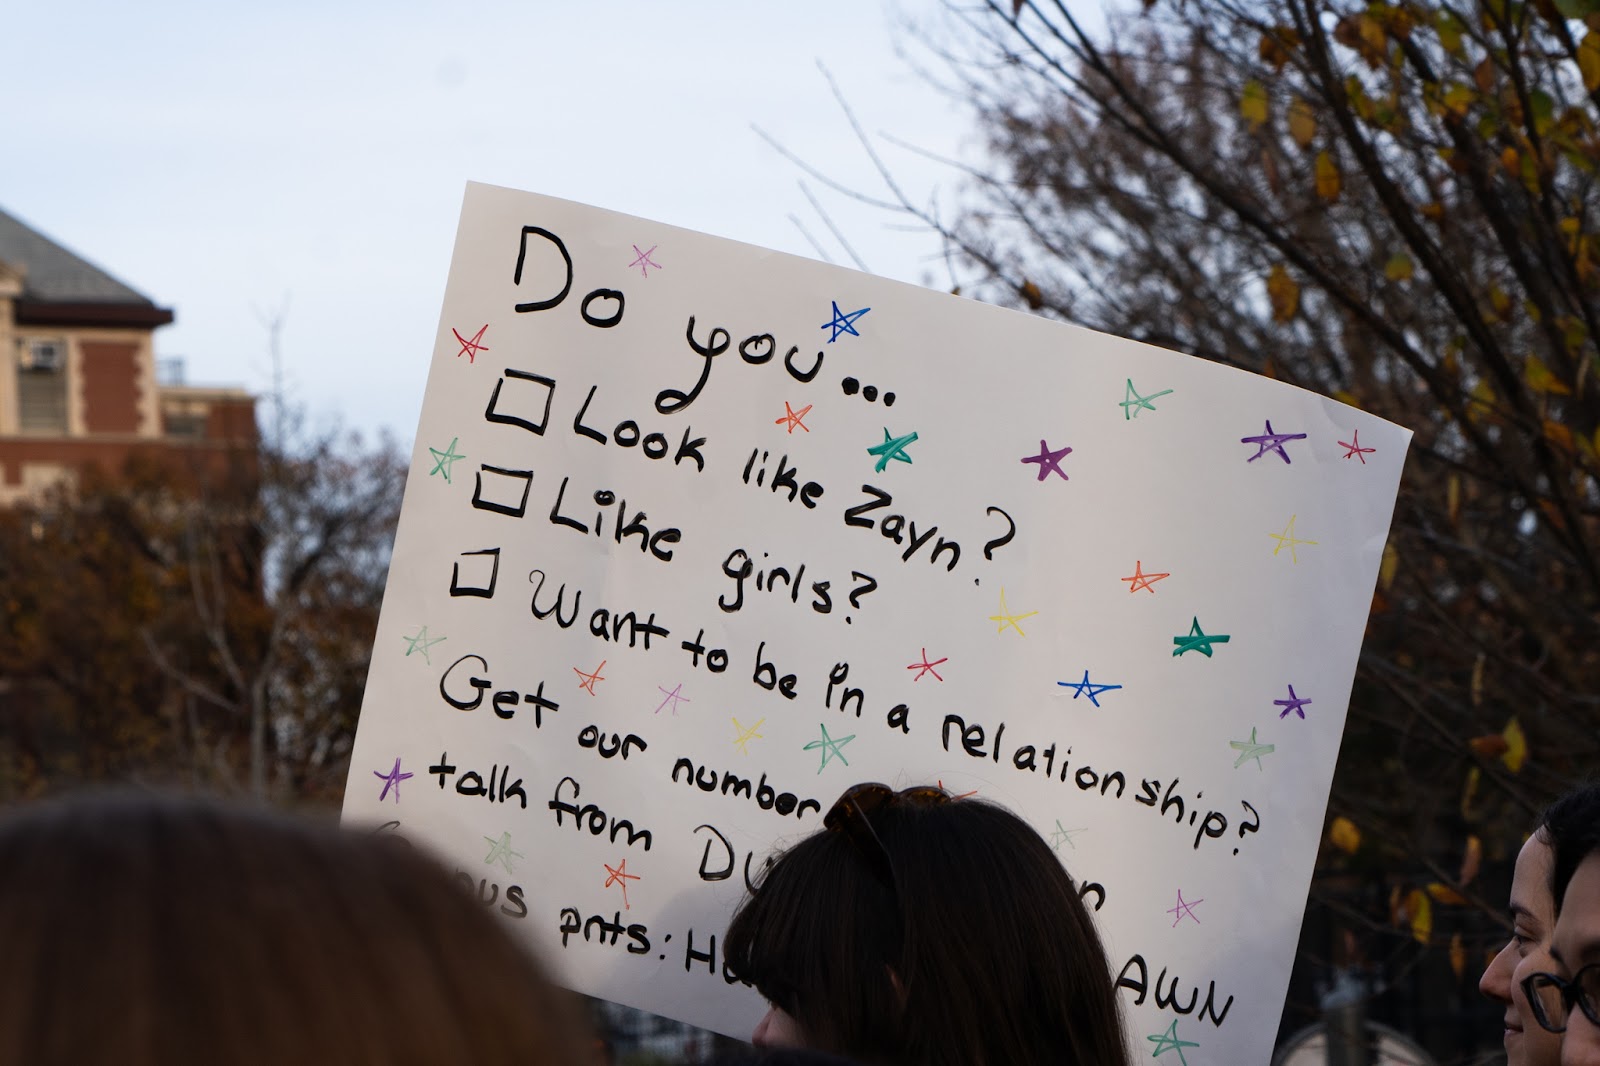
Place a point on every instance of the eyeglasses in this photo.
(1552, 997)
(851, 813)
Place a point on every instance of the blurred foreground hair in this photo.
(144, 931)
(969, 946)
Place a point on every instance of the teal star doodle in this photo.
(831, 748)
(843, 321)
(1087, 688)
(1198, 640)
(443, 461)
(1134, 402)
(1168, 1041)
(1250, 749)
(892, 448)
(421, 643)
(500, 852)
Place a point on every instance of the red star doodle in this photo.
(589, 680)
(471, 348)
(793, 417)
(925, 667)
(1356, 450)
(620, 876)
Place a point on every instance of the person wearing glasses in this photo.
(1533, 920)
(915, 929)
(1566, 998)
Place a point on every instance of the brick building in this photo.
(78, 379)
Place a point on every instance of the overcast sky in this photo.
(230, 160)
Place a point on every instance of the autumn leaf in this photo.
(1589, 60)
(1329, 180)
(1398, 268)
(1516, 752)
(1558, 434)
(1450, 30)
(1253, 104)
(1389, 566)
(1031, 294)
(1540, 379)
(1471, 861)
(1489, 745)
(1445, 895)
(1419, 916)
(1344, 835)
(1284, 292)
(1452, 501)
(1458, 956)
(1302, 122)
(1469, 792)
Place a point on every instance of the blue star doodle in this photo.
(443, 461)
(1168, 1041)
(1087, 688)
(1198, 640)
(1270, 442)
(831, 748)
(1250, 749)
(892, 448)
(1049, 459)
(843, 322)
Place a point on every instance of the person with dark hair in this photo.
(141, 931)
(1566, 998)
(919, 930)
(1535, 886)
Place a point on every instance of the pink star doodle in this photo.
(1184, 907)
(1356, 450)
(925, 667)
(644, 262)
(471, 348)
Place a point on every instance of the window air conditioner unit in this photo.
(44, 356)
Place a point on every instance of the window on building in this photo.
(42, 386)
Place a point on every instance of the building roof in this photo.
(56, 278)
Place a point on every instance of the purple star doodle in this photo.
(1049, 459)
(1270, 442)
(1294, 703)
(392, 780)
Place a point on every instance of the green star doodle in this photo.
(1198, 640)
(831, 748)
(1249, 749)
(892, 448)
(1135, 403)
(421, 643)
(443, 461)
(500, 852)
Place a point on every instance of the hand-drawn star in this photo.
(1049, 459)
(1270, 442)
(956, 795)
(1287, 539)
(589, 679)
(1356, 450)
(620, 876)
(1249, 749)
(1087, 688)
(500, 852)
(892, 448)
(742, 741)
(644, 262)
(831, 748)
(421, 643)
(1184, 908)
(1134, 402)
(842, 322)
(1063, 835)
(674, 697)
(392, 780)
(793, 417)
(1168, 1041)
(925, 667)
(1007, 619)
(1142, 580)
(1197, 640)
(471, 348)
(444, 460)
(1294, 704)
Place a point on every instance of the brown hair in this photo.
(147, 931)
(974, 951)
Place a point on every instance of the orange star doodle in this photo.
(1142, 580)
(620, 876)
(957, 795)
(590, 679)
(793, 417)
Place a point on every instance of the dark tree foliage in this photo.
(159, 627)
(1394, 204)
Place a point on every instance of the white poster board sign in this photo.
(696, 535)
